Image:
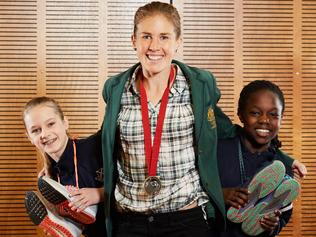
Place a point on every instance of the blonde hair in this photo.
(165, 9)
(50, 102)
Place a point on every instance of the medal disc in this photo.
(152, 185)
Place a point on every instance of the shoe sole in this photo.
(263, 183)
(56, 194)
(40, 216)
(284, 194)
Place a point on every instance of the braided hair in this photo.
(259, 85)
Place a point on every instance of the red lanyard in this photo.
(152, 152)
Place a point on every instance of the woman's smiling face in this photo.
(156, 43)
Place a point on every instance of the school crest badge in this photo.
(211, 117)
(99, 175)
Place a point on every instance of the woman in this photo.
(159, 137)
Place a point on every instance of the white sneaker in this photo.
(43, 214)
(58, 195)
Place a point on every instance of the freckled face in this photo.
(156, 44)
(261, 118)
(46, 130)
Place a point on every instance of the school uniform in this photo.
(90, 174)
(232, 175)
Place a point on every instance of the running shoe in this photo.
(282, 196)
(58, 195)
(263, 183)
(43, 215)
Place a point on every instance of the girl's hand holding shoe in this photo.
(269, 223)
(236, 197)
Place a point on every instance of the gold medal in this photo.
(152, 185)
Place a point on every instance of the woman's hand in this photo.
(236, 197)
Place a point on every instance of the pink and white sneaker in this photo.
(45, 216)
(58, 195)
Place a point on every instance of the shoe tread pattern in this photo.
(51, 194)
(39, 216)
(35, 208)
(263, 183)
(283, 195)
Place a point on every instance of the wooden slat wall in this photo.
(18, 71)
(67, 48)
(208, 42)
(240, 41)
(71, 69)
(120, 53)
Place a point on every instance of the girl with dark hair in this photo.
(254, 151)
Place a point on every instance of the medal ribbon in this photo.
(152, 151)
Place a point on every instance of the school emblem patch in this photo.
(99, 175)
(211, 117)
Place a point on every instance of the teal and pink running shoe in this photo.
(281, 197)
(262, 184)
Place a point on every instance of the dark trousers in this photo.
(186, 223)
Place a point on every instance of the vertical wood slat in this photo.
(297, 102)
(18, 68)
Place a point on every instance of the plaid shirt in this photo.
(176, 164)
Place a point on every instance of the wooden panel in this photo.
(120, 53)
(71, 69)
(18, 71)
(67, 48)
(240, 41)
(208, 43)
(268, 52)
(308, 77)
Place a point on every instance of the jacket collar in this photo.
(197, 93)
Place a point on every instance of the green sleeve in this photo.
(287, 160)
